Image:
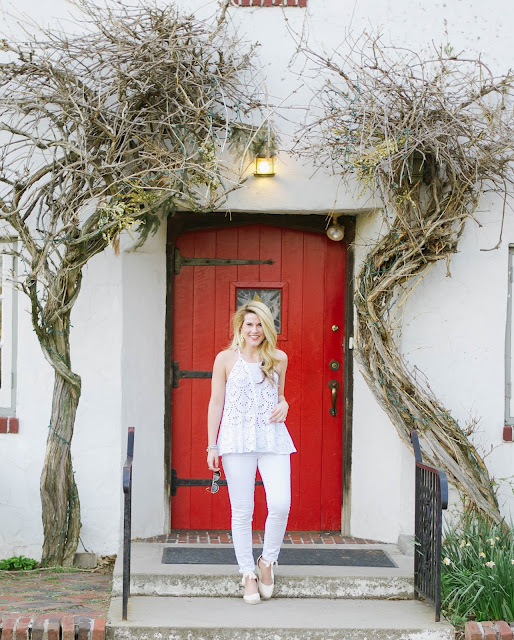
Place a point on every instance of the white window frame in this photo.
(8, 338)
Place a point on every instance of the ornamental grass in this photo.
(478, 571)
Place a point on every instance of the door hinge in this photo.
(181, 261)
(177, 374)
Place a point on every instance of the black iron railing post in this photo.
(127, 517)
(431, 498)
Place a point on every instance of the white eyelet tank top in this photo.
(249, 400)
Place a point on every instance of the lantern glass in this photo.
(335, 232)
(264, 166)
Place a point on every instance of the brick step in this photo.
(215, 618)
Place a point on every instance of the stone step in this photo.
(290, 582)
(149, 577)
(216, 618)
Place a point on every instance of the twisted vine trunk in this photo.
(413, 244)
(59, 494)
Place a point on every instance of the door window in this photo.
(273, 294)
(272, 298)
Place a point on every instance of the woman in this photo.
(249, 407)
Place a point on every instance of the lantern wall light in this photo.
(264, 166)
(335, 232)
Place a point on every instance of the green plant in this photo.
(18, 563)
(478, 571)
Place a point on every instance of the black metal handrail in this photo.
(431, 499)
(127, 525)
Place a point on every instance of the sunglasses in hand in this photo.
(214, 488)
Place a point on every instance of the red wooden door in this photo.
(306, 281)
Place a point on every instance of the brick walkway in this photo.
(40, 592)
(53, 606)
(224, 537)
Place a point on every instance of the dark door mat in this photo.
(325, 557)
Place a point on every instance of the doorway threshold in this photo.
(197, 536)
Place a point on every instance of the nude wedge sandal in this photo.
(265, 590)
(252, 598)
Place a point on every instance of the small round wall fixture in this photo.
(264, 166)
(335, 232)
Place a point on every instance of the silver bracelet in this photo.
(211, 447)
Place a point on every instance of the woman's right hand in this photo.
(213, 460)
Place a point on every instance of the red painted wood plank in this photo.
(181, 410)
(312, 379)
(204, 303)
(226, 247)
(270, 249)
(331, 484)
(248, 249)
(292, 258)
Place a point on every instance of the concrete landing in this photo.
(150, 577)
(157, 618)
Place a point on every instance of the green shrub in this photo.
(478, 571)
(18, 563)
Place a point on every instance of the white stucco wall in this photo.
(453, 327)
(96, 356)
(454, 332)
(142, 369)
(96, 344)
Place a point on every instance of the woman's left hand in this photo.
(279, 413)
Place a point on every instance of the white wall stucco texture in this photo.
(453, 328)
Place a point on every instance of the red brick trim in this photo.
(8, 623)
(9, 425)
(98, 629)
(498, 630)
(68, 627)
(508, 435)
(269, 3)
(16, 626)
(22, 628)
(53, 629)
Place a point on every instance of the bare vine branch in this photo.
(108, 130)
(428, 133)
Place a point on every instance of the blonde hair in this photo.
(268, 347)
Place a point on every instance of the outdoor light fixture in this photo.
(264, 166)
(417, 167)
(335, 231)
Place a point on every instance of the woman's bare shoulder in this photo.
(282, 356)
(227, 356)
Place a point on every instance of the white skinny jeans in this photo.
(240, 471)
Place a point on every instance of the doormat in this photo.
(322, 557)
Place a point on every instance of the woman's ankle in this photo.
(266, 571)
(250, 585)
